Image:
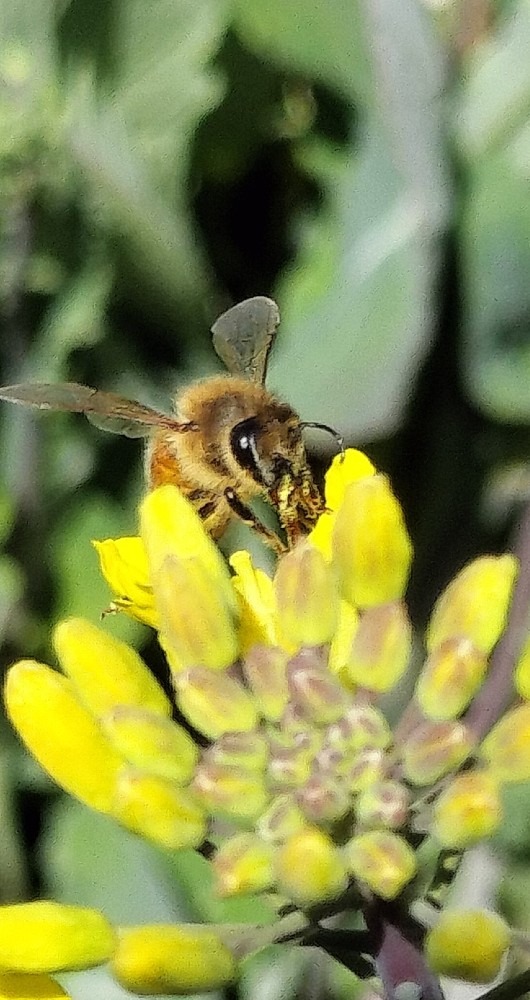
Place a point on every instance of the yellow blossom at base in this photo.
(172, 959)
(257, 604)
(468, 944)
(49, 937)
(106, 671)
(29, 986)
(309, 867)
(123, 563)
(62, 734)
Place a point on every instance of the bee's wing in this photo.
(242, 336)
(104, 409)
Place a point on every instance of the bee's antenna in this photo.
(329, 430)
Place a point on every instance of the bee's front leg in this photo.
(245, 514)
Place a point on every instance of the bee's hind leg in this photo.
(245, 514)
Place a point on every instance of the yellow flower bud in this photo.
(172, 959)
(451, 675)
(266, 675)
(506, 747)
(124, 565)
(159, 811)
(231, 791)
(106, 672)
(30, 986)
(381, 648)
(382, 860)
(344, 469)
(341, 643)
(242, 865)
(371, 547)
(215, 703)
(196, 624)
(153, 744)
(309, 867)
(468, 810)
(62, 734)
(280, 820)
(468, 944)
(434, 749)
(475, 604)
(307, 597)
(314, 692)
(51, 937)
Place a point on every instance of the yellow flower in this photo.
(123, 563)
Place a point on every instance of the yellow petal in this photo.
(341, 643)
(62, 734)
(106, 672)
(257, 604)
(170, 526)
(172, 959)
(344, 469)
(49, 937)
(123, 563)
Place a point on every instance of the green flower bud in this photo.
(468, 810)
(362, 727)
(323, 799)
(434, 749)
(468, 945)
(215, 703)
(248, 750)
(381, 648)
(314, 691)
(172, 959)
(383, 804)
(451, 675)
(280, 820)
(307, 597)
(230, 791)
(290, 768)
(309, 867)
(367, 767)
(382, 860)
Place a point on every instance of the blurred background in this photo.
(366, 163)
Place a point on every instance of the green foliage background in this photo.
(367, 163)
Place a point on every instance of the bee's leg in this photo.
(248, 517)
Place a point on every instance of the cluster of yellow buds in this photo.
(308, 794)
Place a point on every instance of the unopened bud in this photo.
(230, 791)
(475, 604)
(506, 746)
(371, 546)
(383, 804)
(319, 696)
(159, 811)
(434, 749)
(450, 677)
(280, 820)
(172, 959)
(242, 865)
(382, 860)
(468, 945)
(366, 768)
(323, 799)
(307, 596)
(51, 937)
(381, 648)
(468, 810)
(152, 743)
(362, 727)
(265, 671)
(248, 750)
(310, 868)
(215, 703)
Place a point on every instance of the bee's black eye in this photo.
(244, 448)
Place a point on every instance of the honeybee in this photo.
(230, 439)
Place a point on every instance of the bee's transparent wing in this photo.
(104, 409)
(242, 336)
